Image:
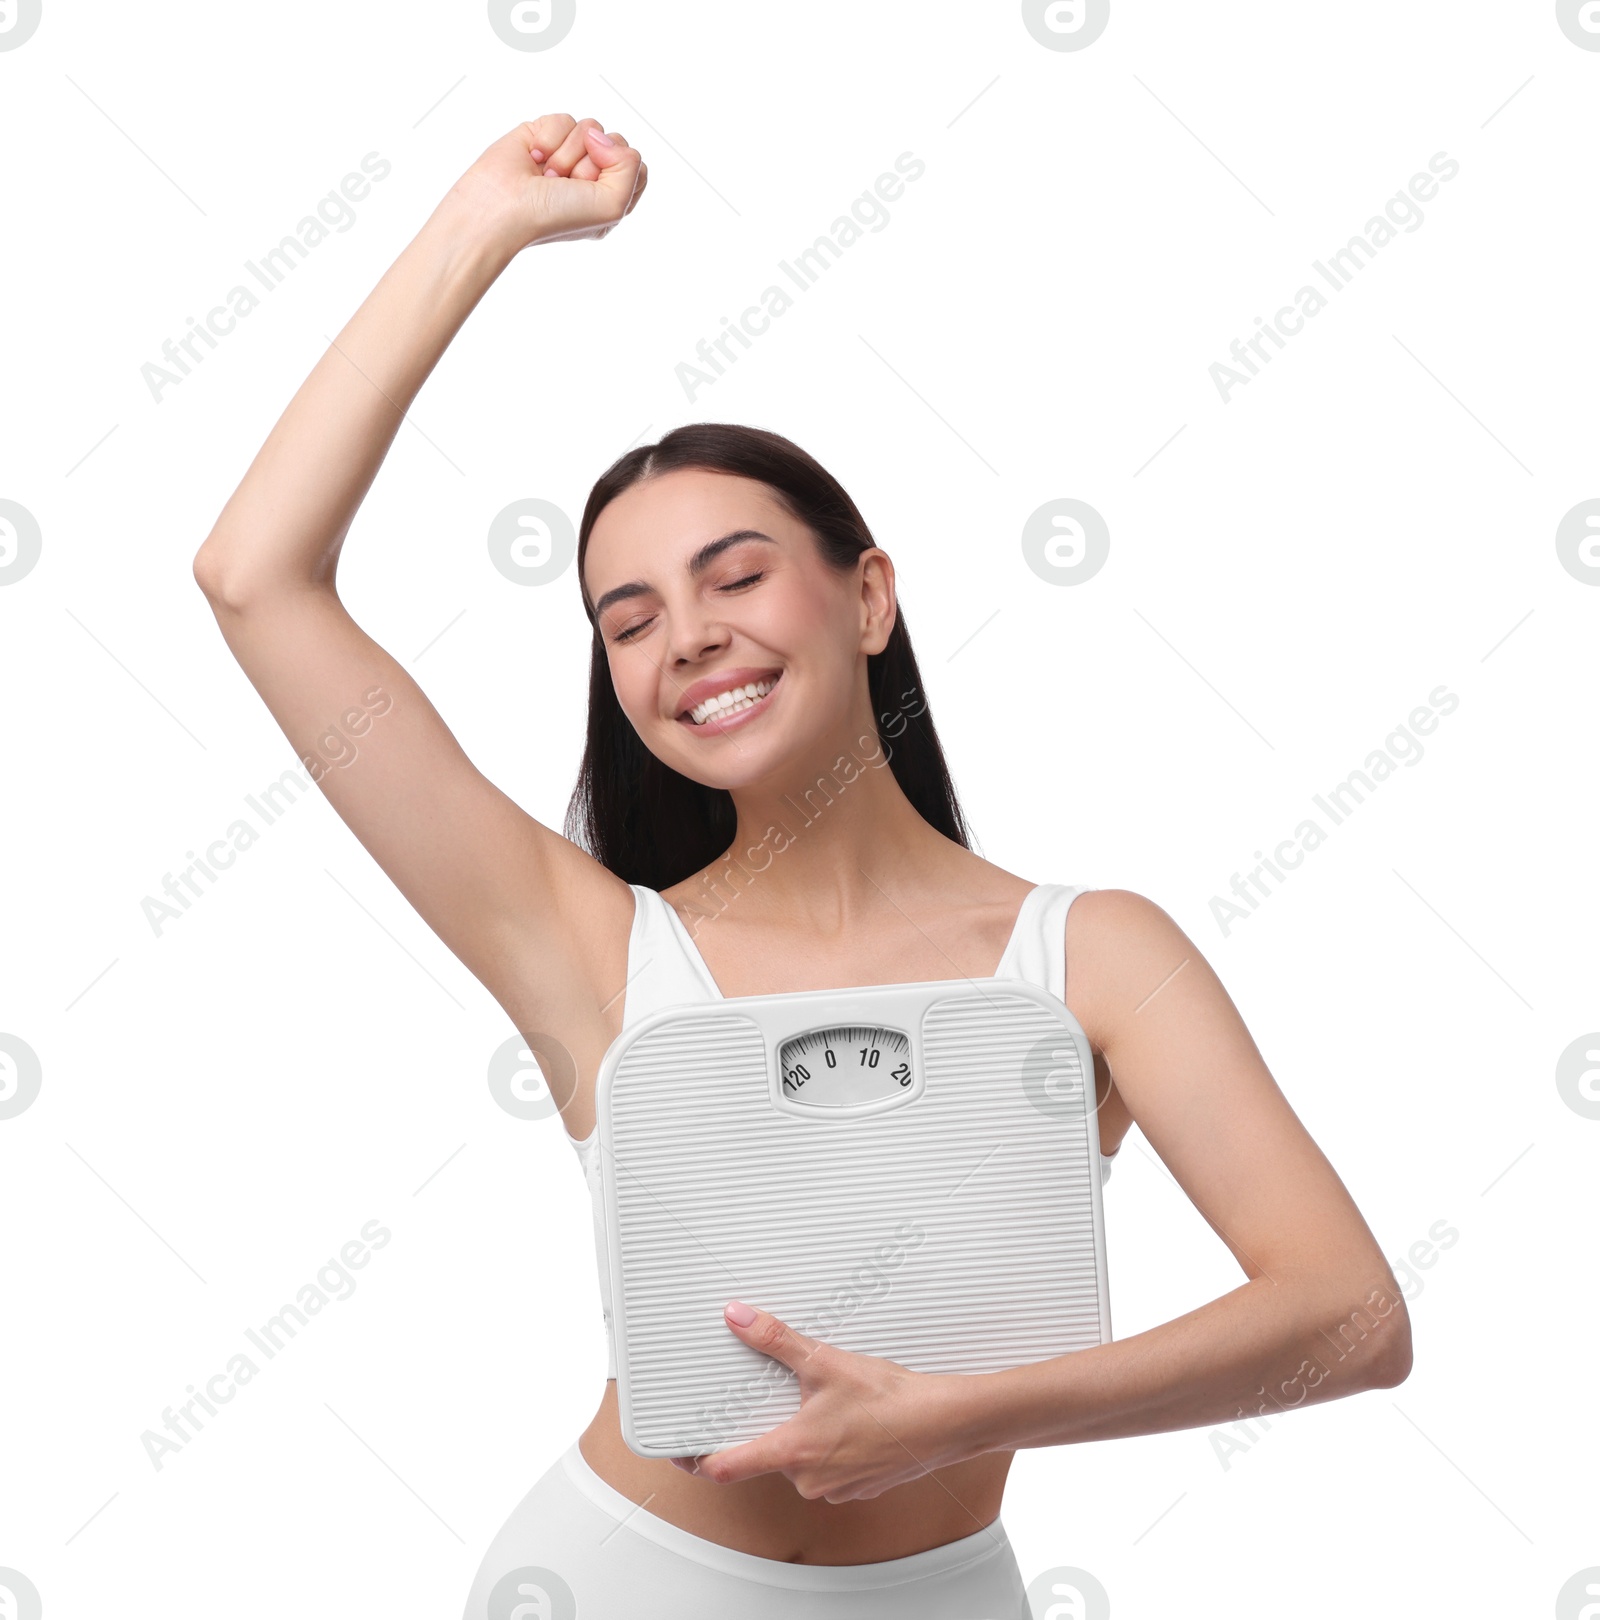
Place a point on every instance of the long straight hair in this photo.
(648, 823)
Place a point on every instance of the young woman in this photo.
(746, 644)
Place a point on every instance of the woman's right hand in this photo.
(553, 180)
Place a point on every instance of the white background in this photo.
(224, 1105)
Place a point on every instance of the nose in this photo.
(693, 637)
(686, 658)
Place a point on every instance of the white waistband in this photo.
(989, 1542)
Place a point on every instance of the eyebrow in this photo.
(698, 563)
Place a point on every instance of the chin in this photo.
(747, 770)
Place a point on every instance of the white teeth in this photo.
(731, 701)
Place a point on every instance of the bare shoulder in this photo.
(1122, 949)
(1118, 928)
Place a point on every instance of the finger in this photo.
(638, 189)
(544, 135)
(572, 148)
(620, 167)
(764, 1332)
(769, 1453)
(586, 168)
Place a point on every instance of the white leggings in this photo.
(576, 1548)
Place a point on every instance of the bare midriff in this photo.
(768, 1518)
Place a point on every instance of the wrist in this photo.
(971, 1413)
(474, 236)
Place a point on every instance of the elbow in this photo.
(229, 582)
(210, 575)
(1390, 1361)
(1372, 1341)
(224, 582)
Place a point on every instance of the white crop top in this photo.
(665, 968)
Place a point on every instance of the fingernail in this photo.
(601, 136)
(739, 1314)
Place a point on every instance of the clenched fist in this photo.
(554, 179)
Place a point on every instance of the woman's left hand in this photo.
(865, 1424)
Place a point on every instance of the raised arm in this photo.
(526, 910)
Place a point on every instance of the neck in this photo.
(824, 847)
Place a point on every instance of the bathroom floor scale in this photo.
(908, 1170)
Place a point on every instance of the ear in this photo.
(879, 603)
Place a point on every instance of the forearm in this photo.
(1264, 1348)
(288, 517)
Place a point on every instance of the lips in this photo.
(727, 680)
(726, 720)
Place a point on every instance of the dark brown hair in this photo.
(652, 825)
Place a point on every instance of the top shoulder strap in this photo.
(662, 972)
(1040, 950)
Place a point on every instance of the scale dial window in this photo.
(845, 1064)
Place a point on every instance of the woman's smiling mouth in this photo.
(733, 706)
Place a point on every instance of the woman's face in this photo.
(701, 613)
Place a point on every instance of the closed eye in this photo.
(735, 585)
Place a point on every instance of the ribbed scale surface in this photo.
(719, 1196)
